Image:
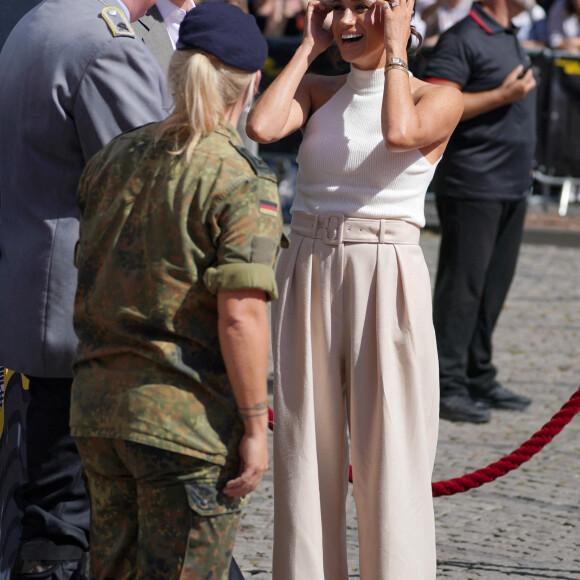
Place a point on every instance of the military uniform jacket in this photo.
(10, 13)
(159, 239)
(69, 85)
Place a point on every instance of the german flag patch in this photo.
(268, 207)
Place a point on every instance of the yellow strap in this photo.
(7, 376)
(2, 405)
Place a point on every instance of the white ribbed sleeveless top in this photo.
(344, 166)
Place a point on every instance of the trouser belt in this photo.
(335, 229)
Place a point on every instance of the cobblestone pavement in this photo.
(527, 523)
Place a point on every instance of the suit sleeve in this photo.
(122, 88)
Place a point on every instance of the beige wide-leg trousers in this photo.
(354, 345)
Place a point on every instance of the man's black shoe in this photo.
(499, 397)
(462, 408)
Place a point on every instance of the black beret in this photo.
(226, 32)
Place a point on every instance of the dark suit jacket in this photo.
(152, 31)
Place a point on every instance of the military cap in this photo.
(226, 32)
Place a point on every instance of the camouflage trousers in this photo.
(157, 514)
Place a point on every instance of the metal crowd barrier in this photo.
(558, 151)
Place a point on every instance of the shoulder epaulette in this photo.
(117, 22)
(260, 167)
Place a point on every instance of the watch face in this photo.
(397, 62)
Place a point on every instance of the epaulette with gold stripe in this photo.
(117, 22)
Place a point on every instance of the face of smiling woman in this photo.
(358, 31)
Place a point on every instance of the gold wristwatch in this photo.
(397, 61)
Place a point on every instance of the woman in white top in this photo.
(353, 338)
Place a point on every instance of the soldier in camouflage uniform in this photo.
(180, 232)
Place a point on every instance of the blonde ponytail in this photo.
(204, 89)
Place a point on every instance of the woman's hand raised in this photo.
(396, 18)
(315, 33)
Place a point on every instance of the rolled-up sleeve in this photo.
(240, 277)
(248, 244)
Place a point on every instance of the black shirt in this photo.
(489, 156)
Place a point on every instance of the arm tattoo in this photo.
(257, 410)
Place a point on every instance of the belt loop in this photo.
(314, 226)
(333, 229)
(382, 233)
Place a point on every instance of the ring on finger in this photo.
(393, 4)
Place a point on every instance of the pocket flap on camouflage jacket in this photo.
(206, 500)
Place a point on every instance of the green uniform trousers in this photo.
(157, 514)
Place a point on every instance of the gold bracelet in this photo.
(398, 66)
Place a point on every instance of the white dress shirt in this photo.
(172, 17)
(125, 10)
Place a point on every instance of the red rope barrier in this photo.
(508, 463)
(270, 419)
(512, 461)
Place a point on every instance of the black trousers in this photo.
(12, 467)
(54, 502)
(480, 242)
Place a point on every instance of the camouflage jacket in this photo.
(158, 240)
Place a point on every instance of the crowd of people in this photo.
(543, 23)
(141, 242)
